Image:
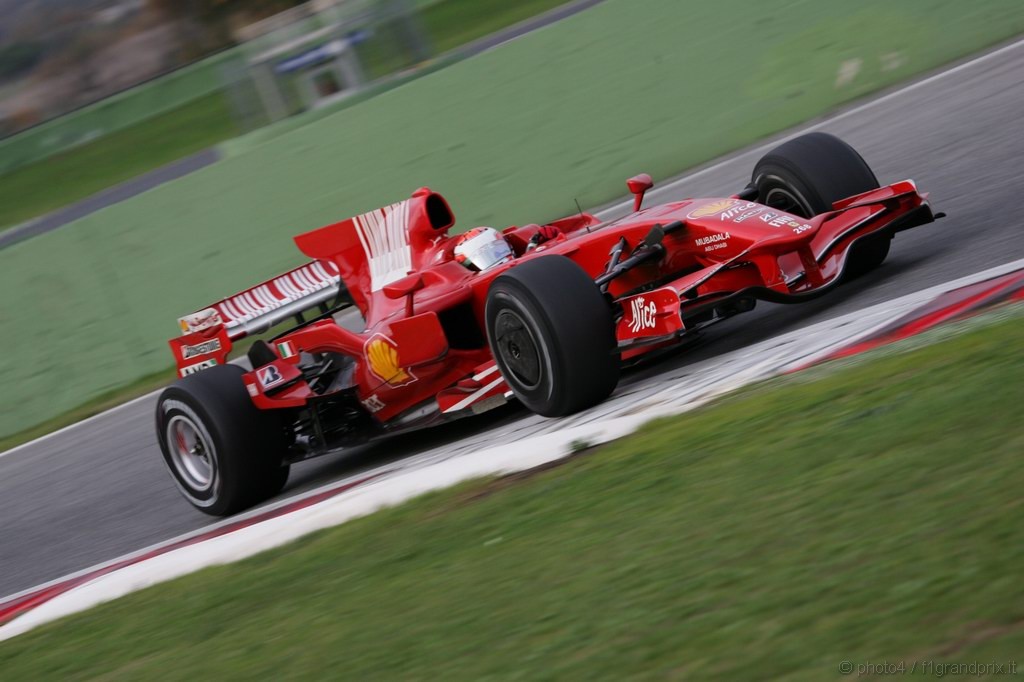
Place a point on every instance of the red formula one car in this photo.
(456, 325)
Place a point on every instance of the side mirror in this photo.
(655, 236)
(403, 287)
(638, 186)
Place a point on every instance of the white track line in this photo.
(913, 301)
(85, 421)
(663, 188)
(212, 528)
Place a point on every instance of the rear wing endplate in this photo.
(207, 334)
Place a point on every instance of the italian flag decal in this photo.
(286, 349)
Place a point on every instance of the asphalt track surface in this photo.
(109, 197)
(99, 489)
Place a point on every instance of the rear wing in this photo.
(377, 248)
(207, 334)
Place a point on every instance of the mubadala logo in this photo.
(200, 348)
(643, 314)
(712, 238)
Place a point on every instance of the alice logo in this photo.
(643, 314)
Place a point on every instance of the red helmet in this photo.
(482, 248)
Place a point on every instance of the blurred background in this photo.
(160, 154)
(75, 71)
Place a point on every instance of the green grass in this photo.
(510, 136)
(454, 23)
(449, 24)
(65, 178)
(30, 191)
(866, 514)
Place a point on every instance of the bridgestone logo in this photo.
(200, 348)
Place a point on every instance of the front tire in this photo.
(806, 175)
(223, 453)
(552, 335)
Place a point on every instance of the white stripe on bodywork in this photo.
(487, 372)
(322, 271)
(260, 298)
(267, 296)
(242, 304)
(384, 236)
(311, 277)
(300, 288)
(257, 307)
(473, 397)
(307, 284)
(284, 283)
(247, 299)
(233, 310)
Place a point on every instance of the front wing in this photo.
(804, 266)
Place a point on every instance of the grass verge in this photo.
(454, 23)
(866, 515)
(65, 178)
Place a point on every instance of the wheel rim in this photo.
(785, 200)
(191, 454)
(517, 349)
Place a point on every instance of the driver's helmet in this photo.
(482, 248)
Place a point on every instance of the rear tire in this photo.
(806, 175)
(552, 335)
(223, 453)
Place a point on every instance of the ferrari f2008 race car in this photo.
(454, 325)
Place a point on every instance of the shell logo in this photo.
(711, 208)
(382, 358)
